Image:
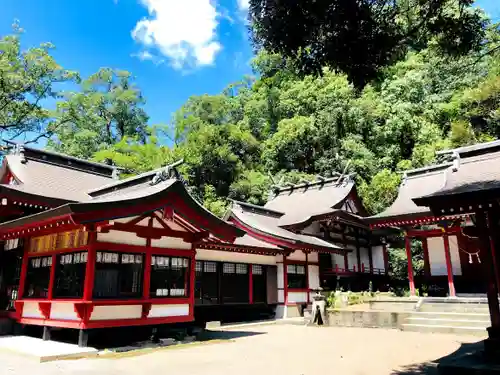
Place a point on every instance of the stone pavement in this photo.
(270, 349)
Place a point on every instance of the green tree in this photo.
(134, 156)
(381, 191)
(360, 37)
(27, 79)
(107, 108)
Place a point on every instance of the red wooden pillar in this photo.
(307, 277)
(386, 258)
(285, 280)
(24, 271)
(192, 281)
(146, 281)
(50, 294)
(427, 262)
(410, 265)
(449, 269)
(250, 284)
(88, 287)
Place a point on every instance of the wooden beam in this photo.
(146, 232)
(154, 233)
(432, 232)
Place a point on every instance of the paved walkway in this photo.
(270, 349)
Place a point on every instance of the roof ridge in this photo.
(425, 170)
(327, 181)
(480, 148)
(124, 181)
(256, 207)
(20, 146)
(134, 180)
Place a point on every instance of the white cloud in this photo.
(146, 55)
(184, 31)
(244, 5)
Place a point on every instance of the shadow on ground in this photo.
(431, 367)
(225, 335)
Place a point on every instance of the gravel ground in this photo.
(270, 349)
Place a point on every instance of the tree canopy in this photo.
(27, 79)
(360, 37)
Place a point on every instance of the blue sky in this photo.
(174, 48)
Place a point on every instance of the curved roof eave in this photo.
(132, 204)
(295, 241)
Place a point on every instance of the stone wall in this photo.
(367, 319)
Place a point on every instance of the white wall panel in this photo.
(378, 257)
(30, 310)
(455, 256)
(437, 257)
(121, 237)
(338, 259)
(297, 297)
(352, 257)
(281, 276)
(63, 311)
(228, 256)
(365, 258)
(116, 312)
(313, 257)
(313, 277)
(171, 243)
(281, 296)
(160, 311)
(297, 255)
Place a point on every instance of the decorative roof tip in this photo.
(456, 161)
(20, 151)
(320, 180)
(168, 173)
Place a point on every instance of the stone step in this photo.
(450, 315)
(449, 322)
(480, 308)
(476, 331)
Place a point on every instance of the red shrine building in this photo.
(452, 259)
(84, 250)
(325, 220)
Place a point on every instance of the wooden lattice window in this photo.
(169, 276)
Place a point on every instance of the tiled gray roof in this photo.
(416, 183)
(474, 174)
(300, 203)
(250, 241)
(38, 177)
(269, 225)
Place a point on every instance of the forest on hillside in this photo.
(278, 125)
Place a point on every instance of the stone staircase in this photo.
(461, 316)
